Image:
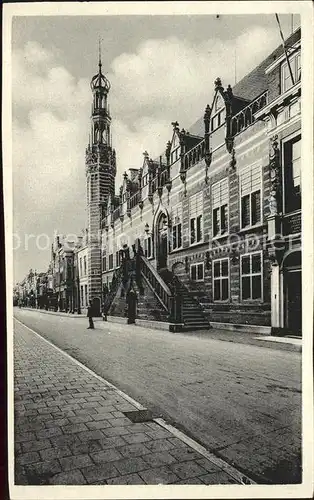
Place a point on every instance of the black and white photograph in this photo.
(159, 209)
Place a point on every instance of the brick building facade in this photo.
(221, 207)
(208, 232)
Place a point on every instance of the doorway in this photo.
(162, 242)
(293, 293)
(96, 306)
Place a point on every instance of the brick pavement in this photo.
(70, 429)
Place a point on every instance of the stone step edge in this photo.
(235, 327)
(156, 325)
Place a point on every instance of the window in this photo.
(196, 218)
(250, 191)
(86, 296)
(217, 120)
(176, 219)
(219, 102)
(220, 196)
(85, 266)
(104, 263)
(295, 64)
(82, 296)
(148, 247)
(251, 276)
(144, 180)
(174, 155)
(221, 279)
(80, 266)
(197, 272)
(111, 261)
(292, 174)
(117, 258)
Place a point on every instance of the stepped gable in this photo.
(253, 84)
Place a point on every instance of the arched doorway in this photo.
(292, 288)
(96, 306)
(162, 241)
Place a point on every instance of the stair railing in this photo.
(160, 288)
(117, 279)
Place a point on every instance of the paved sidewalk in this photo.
(70, 428)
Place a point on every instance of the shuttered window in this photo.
(196, 218)
(292, 174)
(111, 261)
(250, 193)
(176, 218)
(220, 198)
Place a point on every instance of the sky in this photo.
(161, 69)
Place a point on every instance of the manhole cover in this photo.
(139, 416)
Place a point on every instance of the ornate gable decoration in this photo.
(145, 163)
(219, 109)
(175, 140)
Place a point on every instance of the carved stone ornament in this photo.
(217, 83)
(274, 173)
(233, 161)
(151, 198)
(168, 150)
(207, 112)
(183, 176)
(229, 144)
(229, 93)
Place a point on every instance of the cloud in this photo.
(173, 78)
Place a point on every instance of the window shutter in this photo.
(196, 205)
(245, 210)
(250, 179)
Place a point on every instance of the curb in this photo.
(227, 468)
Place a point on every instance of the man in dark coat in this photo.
(90, 316)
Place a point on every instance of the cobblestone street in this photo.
(70, 429)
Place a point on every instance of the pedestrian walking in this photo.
(131, 305)
(90, 316)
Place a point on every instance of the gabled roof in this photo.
(192, 140)
(251, 85)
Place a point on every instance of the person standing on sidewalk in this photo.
(90, 316)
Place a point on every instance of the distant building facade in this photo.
(82, 264)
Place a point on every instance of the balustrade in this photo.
(194, 155)
(245, 117)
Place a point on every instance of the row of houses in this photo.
(63, 287)
(216, 218)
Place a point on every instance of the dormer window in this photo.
(174, 155)
(295, 64)
(218, 103)
(217, 120)
(144, 180)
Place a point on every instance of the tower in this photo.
(100, 179)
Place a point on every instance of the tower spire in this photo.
(99, 54)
